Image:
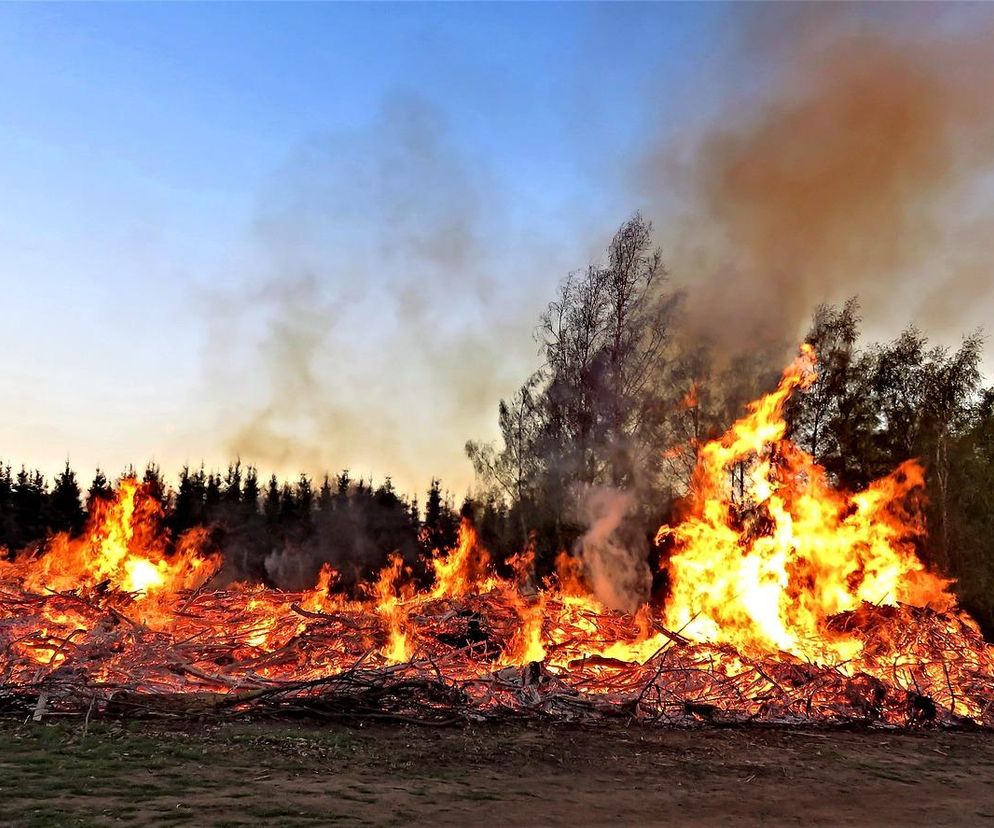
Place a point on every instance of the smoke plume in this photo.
(855, 170)
(376, 324)
(614, 554)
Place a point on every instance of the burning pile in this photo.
(789, 601)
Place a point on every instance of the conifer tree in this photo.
(66, 506)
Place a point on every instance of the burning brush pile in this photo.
(789, 601)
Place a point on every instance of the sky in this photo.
(316, 236)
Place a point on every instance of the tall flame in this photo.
(460, 571)
(764, 572)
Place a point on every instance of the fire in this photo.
(389, 606)
(526, 644)
(787, 599)
(123, 547)
(457, 572)
(767, 571)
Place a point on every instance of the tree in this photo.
(100, 488)
(232, 491)
(29, 501)
(7, 524)
(155, 486)
(515, 469)
(66, 503)
(212, 495)
(595, 412)
(971, 513)
(440, 526)
(304, 498)
(271, 504)
(833, 335)
(604, 340)
(325, 498)
(250, 491)
(188, 503)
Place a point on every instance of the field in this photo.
(308, 774)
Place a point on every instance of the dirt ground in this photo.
(309, 774)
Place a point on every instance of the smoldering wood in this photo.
(326, 665)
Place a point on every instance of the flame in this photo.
(321, 598)
(690, 399)
(569, 573)
(527, 644)
(390, 608)
(457, 572)
(772, 573)
(125, 548)
(765, 571)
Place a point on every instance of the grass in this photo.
(57, 774)
(305, 774)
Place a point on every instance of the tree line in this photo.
(268, 530)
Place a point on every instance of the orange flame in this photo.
(768, 557)
(767, 573)
(390, 608)
(124, 547)
(460, 571)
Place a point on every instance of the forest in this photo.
(610, 423)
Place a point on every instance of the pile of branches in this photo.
(235, 654)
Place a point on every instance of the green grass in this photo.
(60, 775)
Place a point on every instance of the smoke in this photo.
(356, 537)
(614, 554)
(856, 168)
(370, 321)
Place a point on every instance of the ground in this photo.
(137, 773)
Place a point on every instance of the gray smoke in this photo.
(378, 329)
(614, 555)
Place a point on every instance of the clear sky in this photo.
(282, 230)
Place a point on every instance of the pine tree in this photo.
(288, 506)
(6, 507)
(100, 489)
(30, 502)
(344, 483)
(233, 483)
(325, 498)
(271, 506)
(154, 484)
(304, 498)
(440, 527)
(250, 491)
(212, 495)
(66, 507)
(186, 504)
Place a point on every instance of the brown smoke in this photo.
(852, 175)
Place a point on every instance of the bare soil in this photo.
(137, 773)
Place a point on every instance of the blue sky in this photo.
(140, 142)
(168, 169)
